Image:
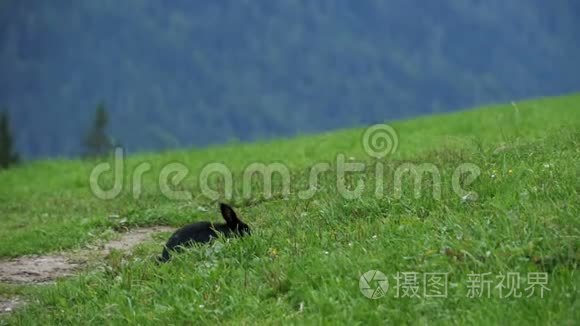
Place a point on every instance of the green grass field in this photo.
(303, 262)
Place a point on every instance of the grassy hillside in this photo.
(305, 258)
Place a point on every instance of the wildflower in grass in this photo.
(510, 171)
(273, 252)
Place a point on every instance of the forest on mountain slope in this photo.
(193, 73)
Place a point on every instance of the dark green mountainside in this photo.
(193, 73)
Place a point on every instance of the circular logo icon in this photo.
(373, 284)
(380, 140)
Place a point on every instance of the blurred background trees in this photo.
(192, 73)
(8, 155)
(97, 143)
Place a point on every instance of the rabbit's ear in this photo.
(229, 215)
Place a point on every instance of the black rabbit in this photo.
(203, 232)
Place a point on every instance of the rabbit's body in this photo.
(204, 232)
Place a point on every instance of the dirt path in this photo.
(7, 305)
(35, 269)
(47, 268)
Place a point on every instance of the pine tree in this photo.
(8, 155)
(97, 142)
